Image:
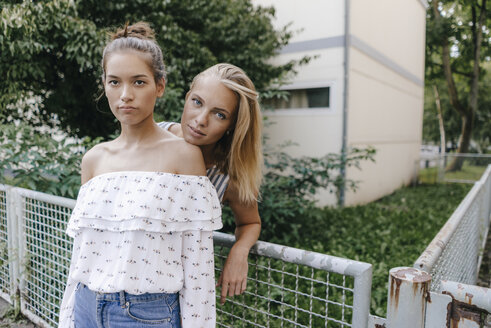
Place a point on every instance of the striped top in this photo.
(218, 179)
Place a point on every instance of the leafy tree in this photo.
(52, 49)
(457, 46)
(51, 55)
(481, 135)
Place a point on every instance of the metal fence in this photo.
(455, 252)
(439, 291)
(287, 287)
(435, 167)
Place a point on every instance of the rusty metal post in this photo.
(408, 290)
(470, 304)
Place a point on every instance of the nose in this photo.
(126, 93)
(202, 118)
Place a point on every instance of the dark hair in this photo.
(137, 37)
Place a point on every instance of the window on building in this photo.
(302, 98)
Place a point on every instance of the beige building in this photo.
(363, 87)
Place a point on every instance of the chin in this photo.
(191, 140)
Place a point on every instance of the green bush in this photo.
(33, 159)
(388, 233)
(290, 185)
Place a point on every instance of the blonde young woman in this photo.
(142, 225)
(222, 116)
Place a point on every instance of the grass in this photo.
(469, 172)
(388, 233)
(428, 175)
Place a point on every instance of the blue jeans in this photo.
(123, 310)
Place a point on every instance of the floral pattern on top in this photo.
(119, 247)
(146, 201)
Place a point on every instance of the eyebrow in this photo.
(133, 77)
(202, 100)
(223, 110)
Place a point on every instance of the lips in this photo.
(196, 132)
(126, 108)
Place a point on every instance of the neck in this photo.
(138, 133)
(208, 155)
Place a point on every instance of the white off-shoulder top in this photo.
(146, 232)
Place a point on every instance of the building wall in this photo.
(386, 85)
(385, 90)
(315, 131)
(314, 19)
(319, 26)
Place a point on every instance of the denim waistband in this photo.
(122, 297)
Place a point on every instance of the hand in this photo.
(233, 280)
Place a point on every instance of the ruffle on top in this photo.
(146, 201)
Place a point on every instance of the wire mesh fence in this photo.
(455, 252)
(46, 254)
(435, 167)
(287, 287)
(5, 286)
(294, 288)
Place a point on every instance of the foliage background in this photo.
(51, 51)
(458, 27)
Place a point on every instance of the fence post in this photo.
(441, 163)
(13, 206)
(408, 289)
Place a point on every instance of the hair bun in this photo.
(140, 30)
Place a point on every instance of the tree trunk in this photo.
(443, 144)
(464, 142)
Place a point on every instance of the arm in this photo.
(233, 280)
(197, 297)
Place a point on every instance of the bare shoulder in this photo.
(188, 157)
(91, 159)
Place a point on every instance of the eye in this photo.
(221, 116)
(113, 82)
(197, 102)
(139, 82)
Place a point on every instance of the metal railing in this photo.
(287, 287)
(436, 167)
(439, 291)
(455, 252)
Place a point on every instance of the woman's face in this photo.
(209, 111)
(130, 87)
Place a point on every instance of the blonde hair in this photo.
(239, 153)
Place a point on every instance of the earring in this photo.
(227, 133)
